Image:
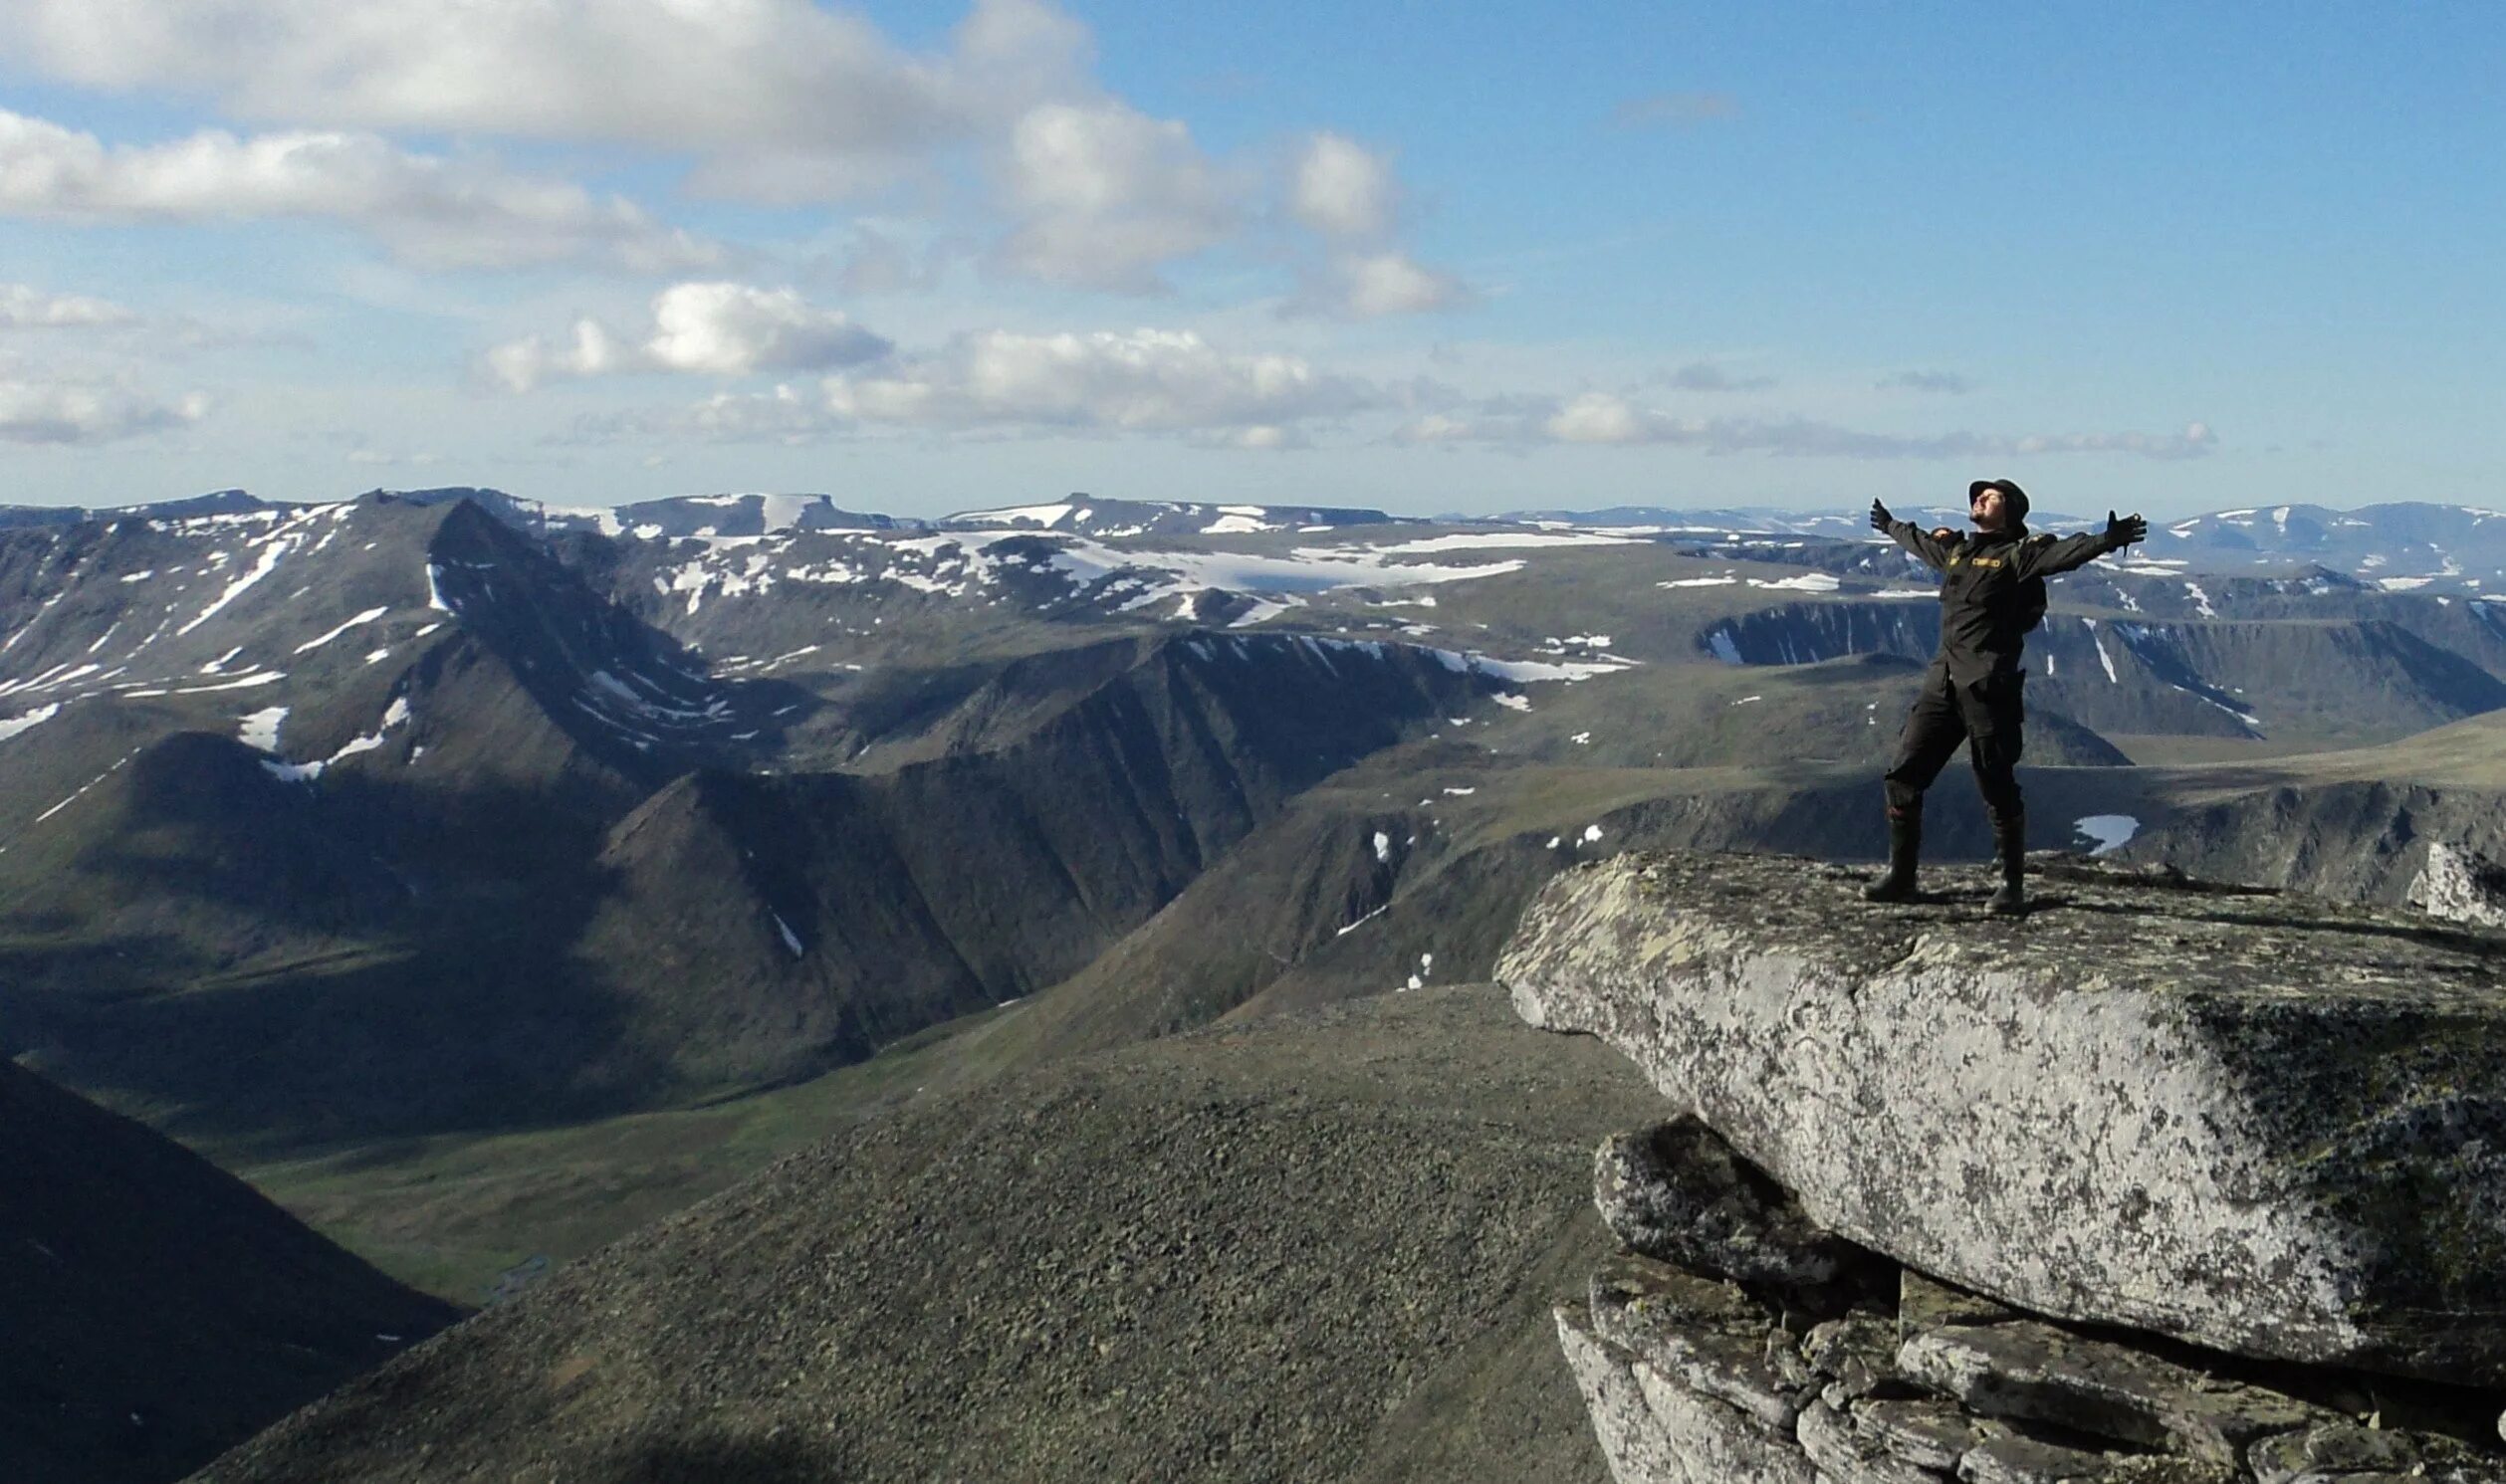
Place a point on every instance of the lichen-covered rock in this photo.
(2015, 1459)
(1710, 1334)
(1858, 1354)
(2097, 1387)
(2344, 1449)
(2463, 886)
(1640, 1449)
(1654, 1430)
(2262, 1123)
(1927, 1304)
(1677, 1192)
(1924, 1431)
(1846, 1456)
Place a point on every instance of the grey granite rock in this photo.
(1924, 1431)
(1846, 1456)
(2262, 1123)
(1719, 1444)
(1677, 1192)
(2015, 1459)
(2342, 1449)
(2043, 1374)
(1859, 1352)
(1639, 1451)
(1655, 1430)
(2460, 884)
(1711, 1336)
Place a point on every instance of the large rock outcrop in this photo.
(2460, 884)
(1693, 1374)
(2261, 1123)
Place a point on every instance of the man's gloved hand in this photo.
(1880, 519)
(2125, 531)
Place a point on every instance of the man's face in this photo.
(1986, 509)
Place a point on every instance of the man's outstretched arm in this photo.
(1933, 552)
(2043, 558)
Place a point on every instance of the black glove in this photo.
(2125, 531)
(1880, 519)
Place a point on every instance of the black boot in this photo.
(2009, 842)
(1904, 847)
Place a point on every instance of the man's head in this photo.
(1997, 505)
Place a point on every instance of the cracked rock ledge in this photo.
(2162, 1182)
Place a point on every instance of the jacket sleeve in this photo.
(1934, 553)
(2043, 556)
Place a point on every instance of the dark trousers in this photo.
(1986, 714)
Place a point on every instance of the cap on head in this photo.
(2013, 499)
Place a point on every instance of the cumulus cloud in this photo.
(1370, 286)
(1606, 418)
(1136, 381)
(1145, 381)
(1347, 195)
(709, 328)
(783, 101)
(23, 306)
(88, 412)
(762, 89)
(428, 210)
(1104, 195)
(1343, 191)
(1947, 383)
(1674, 109)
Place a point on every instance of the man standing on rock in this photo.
(1992, 592)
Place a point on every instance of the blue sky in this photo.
(1424, 258)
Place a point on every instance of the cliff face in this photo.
(2251, 1138)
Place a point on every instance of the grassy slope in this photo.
(449, 1213)
(1315, 1247)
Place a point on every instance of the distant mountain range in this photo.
(2399, 546)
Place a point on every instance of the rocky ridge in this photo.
(2163, 1182)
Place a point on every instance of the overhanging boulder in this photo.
(2264, 1123)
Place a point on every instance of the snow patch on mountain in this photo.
(12, 726)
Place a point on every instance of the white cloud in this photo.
(1343, 191)
(1373, 285)
(1347, 195)
(23, 306)
(88, 412)
(521, 365)
(1146, 379)
(781, 98)
(1142, 381)
(1606, 418)
(428, 210)
(711, 328)
(785, 102)
(1597, 417)
(731, 330)
(1104, 195)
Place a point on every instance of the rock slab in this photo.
(2262, 1123)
